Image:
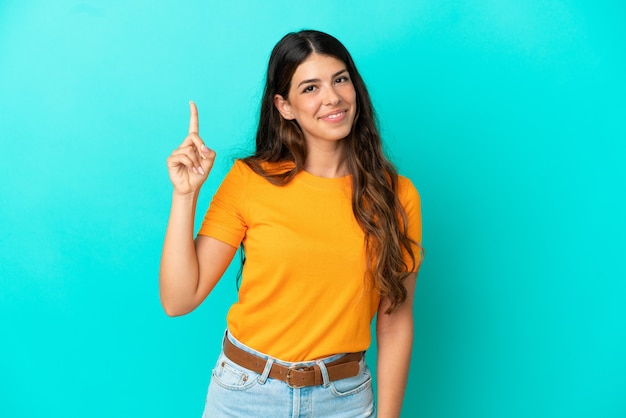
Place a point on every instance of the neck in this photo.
(329, 162)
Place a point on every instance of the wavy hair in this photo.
(375, 202)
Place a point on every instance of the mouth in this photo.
(334, 116)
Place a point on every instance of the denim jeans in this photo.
(238, 392)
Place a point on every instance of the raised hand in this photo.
(189, 165)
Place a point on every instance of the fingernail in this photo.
(201, 170)
(205, 148)
(194, 170)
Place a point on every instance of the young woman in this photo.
(330, 234)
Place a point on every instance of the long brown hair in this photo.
(375, 202)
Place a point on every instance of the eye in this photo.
(342, 79)
(308, 89)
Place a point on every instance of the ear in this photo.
(283, 107)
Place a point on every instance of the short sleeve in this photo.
(224, 219)
(410, 200)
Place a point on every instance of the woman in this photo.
(331, 237)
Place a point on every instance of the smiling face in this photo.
(321, 99)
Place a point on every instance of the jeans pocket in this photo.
(230, 375)
(353, 385)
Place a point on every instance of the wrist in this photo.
(184, 197)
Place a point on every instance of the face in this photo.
(321, 99)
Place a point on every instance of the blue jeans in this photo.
(238, 392)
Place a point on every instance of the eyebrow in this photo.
(316, 80)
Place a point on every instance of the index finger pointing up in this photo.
(193, 118)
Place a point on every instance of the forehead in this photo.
(318, 66)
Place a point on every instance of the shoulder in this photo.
(236, 179)
(239, 171)
(407, 192)
(410, 201)
(242, 166)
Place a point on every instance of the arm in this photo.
(394, 333)
(189, 270)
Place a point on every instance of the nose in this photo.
(332, 97)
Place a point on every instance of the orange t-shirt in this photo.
(303, 292)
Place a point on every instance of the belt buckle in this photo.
(288, 377)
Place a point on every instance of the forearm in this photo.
(394, 357)
(178, 280)
(394, 334)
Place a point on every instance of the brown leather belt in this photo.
(295, 377)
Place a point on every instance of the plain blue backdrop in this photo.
(509, 117)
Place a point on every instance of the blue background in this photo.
(509, 116)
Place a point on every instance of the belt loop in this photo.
(266, 370)
(325, 379)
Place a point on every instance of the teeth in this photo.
(334, 115)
